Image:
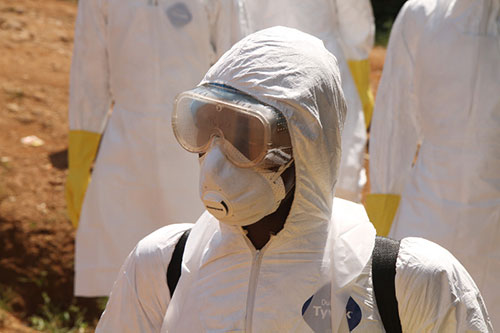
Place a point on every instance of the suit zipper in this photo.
(252, 286)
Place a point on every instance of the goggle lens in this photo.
(243, 131)
(243, 123)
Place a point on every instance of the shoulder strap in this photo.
(385, 254)
(174, 267)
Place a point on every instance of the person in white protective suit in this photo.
(440, 89)
(274, 252)
(137, 55)
(347, 29)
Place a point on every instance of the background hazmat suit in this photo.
(347, 29)
(292, 284)
(136, 55)
(440, 88)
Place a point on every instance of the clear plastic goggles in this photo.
(254, 134)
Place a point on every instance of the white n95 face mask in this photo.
(238, 196)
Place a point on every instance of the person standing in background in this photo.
(136, 56)
(440, 91)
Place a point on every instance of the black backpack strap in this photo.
(385, 254)
(174, 267)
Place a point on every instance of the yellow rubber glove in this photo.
(381, 209)
(360, 71)
(81, 154)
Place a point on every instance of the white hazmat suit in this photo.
(292, 284)
(137, 55)
(347, 29)
(441, 89)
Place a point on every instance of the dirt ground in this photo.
(36, 237)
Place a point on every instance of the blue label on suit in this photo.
(353, 314)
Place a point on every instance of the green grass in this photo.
(54, 320)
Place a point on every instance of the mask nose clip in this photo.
(215, 204)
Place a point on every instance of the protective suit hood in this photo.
(293, 72)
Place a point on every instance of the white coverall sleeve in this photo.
(140, 296)
(394, 130)
(357, 27)
(89, 97)
(435, 292)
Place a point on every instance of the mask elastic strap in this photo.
(280, 170)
